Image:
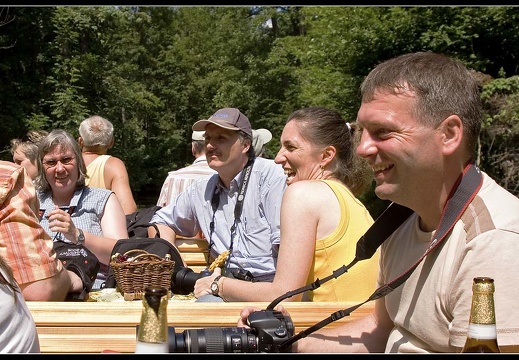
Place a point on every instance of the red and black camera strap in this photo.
(462, 194)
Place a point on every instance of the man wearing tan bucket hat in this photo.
(237, 209)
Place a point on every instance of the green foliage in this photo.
(154, 71)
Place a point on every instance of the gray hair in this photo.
(64, 140)
(96, 131)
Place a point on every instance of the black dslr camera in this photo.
(269, 328)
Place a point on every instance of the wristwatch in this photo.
(81, 236)
(214, 286)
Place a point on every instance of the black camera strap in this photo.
(462, 194)
(215, 202)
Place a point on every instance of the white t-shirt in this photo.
(17, 328)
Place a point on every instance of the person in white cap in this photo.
(238, 209)
(260, 138)
(178, 180)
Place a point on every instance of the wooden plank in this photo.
(91, 327)
(194, 258)
(191, 244)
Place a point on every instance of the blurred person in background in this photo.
(178, 180)
(25, 151)
(96, 137)
(260, 138)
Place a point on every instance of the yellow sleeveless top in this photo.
(338, 249)
(96, 172)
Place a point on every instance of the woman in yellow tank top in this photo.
(321, 217)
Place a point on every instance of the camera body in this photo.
(268, 330)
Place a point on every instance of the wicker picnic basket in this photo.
(141, 269)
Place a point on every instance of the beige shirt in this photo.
(96, 172)
(431, 308)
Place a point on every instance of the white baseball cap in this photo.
(259, 138)
(197, 135)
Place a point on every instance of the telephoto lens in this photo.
(183, 281)
(268, 329)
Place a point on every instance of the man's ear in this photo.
(80, 142)
(111, 144)
(452, 134)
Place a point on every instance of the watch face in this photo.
(214, 288)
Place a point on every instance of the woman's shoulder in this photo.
(96, 191)
(308, 189)
(93, 194)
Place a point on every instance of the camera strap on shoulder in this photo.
(215, 202)
(462, 194)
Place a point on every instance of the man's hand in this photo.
(246, 311)
(203, 285)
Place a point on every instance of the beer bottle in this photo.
(482, 333)
(152, 335)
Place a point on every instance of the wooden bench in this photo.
(92, 327)
(194, 251)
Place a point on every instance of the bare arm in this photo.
(117, 179)
(366, 334)
(54, 288)
(301, 223)
(113, 225)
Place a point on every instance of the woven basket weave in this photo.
(141, 270)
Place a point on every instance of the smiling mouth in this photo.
(381, 168)
(289, 173)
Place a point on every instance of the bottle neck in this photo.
(482, 308)
(482, 333)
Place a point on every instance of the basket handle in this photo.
(138, 257)
(136, 251)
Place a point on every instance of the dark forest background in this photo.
(154, 71)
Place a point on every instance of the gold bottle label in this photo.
(153, 329)
(482, 333)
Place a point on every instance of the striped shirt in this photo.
(178, 180)
(24, 244)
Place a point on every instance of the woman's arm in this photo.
(113, 225)
(299, 226)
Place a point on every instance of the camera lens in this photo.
(269, 329)
(183, 281)
(220, 340)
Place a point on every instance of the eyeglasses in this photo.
(64, 161)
